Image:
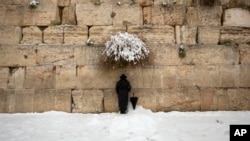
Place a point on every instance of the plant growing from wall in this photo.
(125, 47)
(226, 42)
(182, 52)
(90, 42)
(33, 4)
(97, 2)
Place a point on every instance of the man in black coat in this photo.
(122, 89)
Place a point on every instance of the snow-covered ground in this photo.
(138, 125)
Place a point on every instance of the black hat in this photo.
(123, 76)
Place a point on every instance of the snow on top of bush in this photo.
(125, 46)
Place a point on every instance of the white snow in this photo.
(138, 125)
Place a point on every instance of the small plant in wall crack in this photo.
(90, 42)
(33, 4)
(164, 4)
(182, 52)
(97, 2)
(132, 2)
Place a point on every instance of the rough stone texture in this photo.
(85, 77)
(238, 35)
(172, 15)
(63, 3)
(186, 76)
(31, 35)
(42, 77)
(17, 55)
(236, 17)
(16, 78)
(244, 76)
(245, 54)
(75, 34)
(238, 99)
(147, 15)
(209, 102)
(207, 76)
(53, 35)
(3, 99)
(4, 77)
(229, 76)
(186, 35)
(110, 101)
(90, 14)
(170, 2)
(9, 34)
(102, 34)
(66, 77)
(55, 54)
(144, 3)
(204, 16)
(208, 35)
(87, 101)
(154, 34)
(69, 16)
(127, 14)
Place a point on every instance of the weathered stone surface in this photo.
(144, 3)
(204, 16)
(186, 35)
(186, 76)
(211, 55)
(55, 54)
(147, 98)
(169, 77)
(87, 101)
(127, 14)
(110, 101)
(84, 78)
(208, 35)
(31, 35)
(3, 99)
(207, 76)
(236, 17)
(53, 35)
(16, 78)
(170, 2)
(209, 101)
(244, 79)
(9, 34)
(4, 77)
(90, 14)
(40, 77)
(229, 76)
(17, 55)
(236, 35)
(154, 34)
(66, 77)
(75, 34)
(102, 34)
(238, 99)
(147, 15)
(172, 15)
(88, 55)
(69, 16)
(63, 3)
(244, 54)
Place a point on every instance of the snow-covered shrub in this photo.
(125, 47)
(33, 4)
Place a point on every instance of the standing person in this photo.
(122, 89)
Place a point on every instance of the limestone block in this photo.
(102, 34)
(186, 35)
(2, 12)
(211, 55)
(236, 17)
(170, 2)
(63, 3)
(53, 35)
(17, 55)
(88, 101)
(186, 76)
(204, 15)
(169, 77)
(147, 15)
(244, 54)
(207, 76)
(85, 77)
(239, 99)
(31, 35)
(52, 99)
(55, 54)
(110, 101)
(229, 76)
(66, 77)
(127, 14)
(171, 15)
(154, 34)
(3, 99)
(145, 3)
(209, 101)
(4, 77)
(40, 77)
(75, 34)
(9, 34)
(16, 78)
(69, 16)
(234, 35)
(208, 35)
(244, 79)
(90, 14)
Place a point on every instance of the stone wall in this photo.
(45, 63)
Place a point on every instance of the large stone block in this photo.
(4, 77)
(236, 17)
(87, 101)
(110, 101)
(244, 54)
(69, 15)
(53, 35)
(40, 77)
(186, 35)
(9, 34)
(102, 34)
(154, 34)
(127, 14)
(244, 76)
(207, 76)
(16, 78)
(186, 76)
(55, 54)
(3, 99)
(239, 99)
(66, 77)
(91, 14)
(208, 35)
(170, 15)
(147, 15)
(63, 3)
(169, 77)
(85, 77)
(17, 55)
(204, 15)
(229, 76)
(75, 34)
(235, 35)
(31, 35)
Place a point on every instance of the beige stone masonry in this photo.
(63, 3)
(88, 55)
(244, 79)
(66, 77)
(236, 17)
(10, 34)
(53, 35)
(69, 16)
(31, 35)
(208, 35)
(186, 35)
(170, 2)
(244, 54)
(3, 99)
(235, 35)
(4, 77)
(75, 34)
(17, 55)
(16, 78)
(110, 101)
